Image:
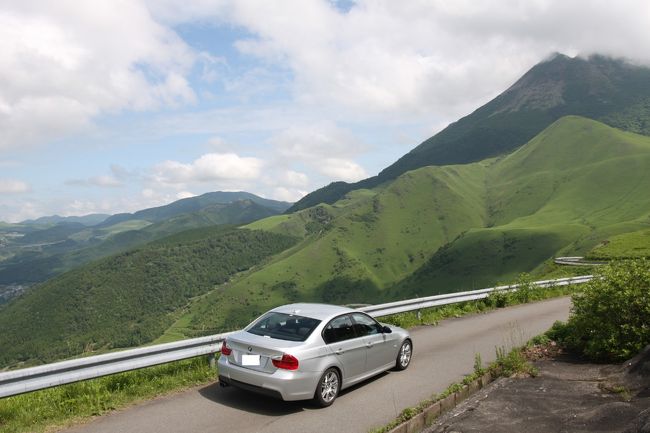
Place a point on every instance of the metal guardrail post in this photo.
(212, 360)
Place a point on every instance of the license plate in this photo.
(250, 360)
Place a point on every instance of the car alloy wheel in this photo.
(328, 388)
(404, 355)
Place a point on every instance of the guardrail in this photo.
(46, 376)
(576, 261)
(59, 373)
(453, 298)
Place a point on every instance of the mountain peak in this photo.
(610, 90)
(194, 204)
(566, 81)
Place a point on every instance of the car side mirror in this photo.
(386, 330)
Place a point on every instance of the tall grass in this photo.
(67, 404)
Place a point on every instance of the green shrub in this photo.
(561, 332)
(478, 365)
(526, 289)
(525, 292)
(540, 340)
(610, 319)
(511, 362)
(498, 299)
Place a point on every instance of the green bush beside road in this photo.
(610, 319)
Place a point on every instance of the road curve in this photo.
(576, 261)
(442, 355)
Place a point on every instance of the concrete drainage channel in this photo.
(429, 414)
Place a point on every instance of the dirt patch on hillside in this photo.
(567, 396)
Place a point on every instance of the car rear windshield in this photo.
(284, 326)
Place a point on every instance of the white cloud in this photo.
(61, 64)
(85, 207)
(26, 210)
(219, 145)
(435, 57)
(64, 62)
(184, 194)
(12, 186)
(150, 197)
(116, 179)
(342, 169)
(294, 179)
(173, 12)
(148, 193)
(285, 184)
(105, 181)
(208, 168)
(122, 203)
(287, 194)
(102, 181)
(255, 82)
(306, 142)
(324, 148)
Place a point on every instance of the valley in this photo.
(34, 251)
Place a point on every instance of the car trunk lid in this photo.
(256, 352)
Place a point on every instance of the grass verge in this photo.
(65, 405)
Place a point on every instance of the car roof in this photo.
(315, 311)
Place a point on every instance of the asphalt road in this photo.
(442, 355)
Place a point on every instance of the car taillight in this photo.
(288, 362)
(225, 350)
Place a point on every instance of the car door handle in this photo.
(368, 345)
(339, 351)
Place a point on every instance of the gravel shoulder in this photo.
(567, 396)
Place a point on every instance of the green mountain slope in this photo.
(631, 245)
(50, 250)
(577, 183)
(609, 90)
(196, 204)
(128, 299)
(238, 212)
(440, 229)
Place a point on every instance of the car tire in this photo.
(328, 388)
(404, 355)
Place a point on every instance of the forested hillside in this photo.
(128, 299)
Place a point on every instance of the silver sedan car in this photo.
(305, 351)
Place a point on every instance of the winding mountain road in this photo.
(442, 355)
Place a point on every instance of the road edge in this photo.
(431, 412)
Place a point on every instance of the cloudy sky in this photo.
(113, 106)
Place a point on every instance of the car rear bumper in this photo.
(285, 384)
(223, 380)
